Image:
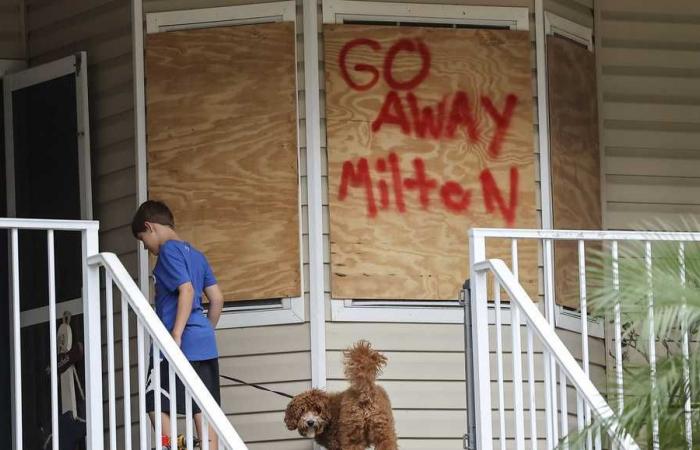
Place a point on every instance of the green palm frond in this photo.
(672, 284)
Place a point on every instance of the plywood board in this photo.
(222, 150)
(575, 156)
(430, 133)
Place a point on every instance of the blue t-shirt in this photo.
(178, 263)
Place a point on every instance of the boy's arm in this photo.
(185, 298)
(216, 303)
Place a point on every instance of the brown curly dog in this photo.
(353, 419)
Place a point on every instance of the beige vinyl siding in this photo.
(102, 28)
(277, 357)
(11, 30)
(425, 376)
(650, 87)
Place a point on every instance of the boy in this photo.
(181, 274)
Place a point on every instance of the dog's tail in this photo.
(362, 365)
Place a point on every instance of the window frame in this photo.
(340, 11)
(554, 25)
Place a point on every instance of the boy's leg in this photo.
(165, 425)
(208, 372)
(164, 439)
(213, 438)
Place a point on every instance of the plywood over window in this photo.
(429, 133)
(222, 150)
(575, 158)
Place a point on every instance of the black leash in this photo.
(262, 388)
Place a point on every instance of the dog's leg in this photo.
(384, 434)
(385, 438)
(352, 436)
(388, 444)
(349, 442)
(354, 447)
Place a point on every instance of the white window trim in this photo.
(565, 318)
(339, 11)
(40, 315)
(443, 312)
(289, 310)
(397, 311)
(222, 16)
(570, 320)
(277, 311)
(556, 25)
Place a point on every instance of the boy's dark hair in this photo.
(151, 211)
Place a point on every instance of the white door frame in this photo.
(8, 66)
(74, 64)
(18, 79)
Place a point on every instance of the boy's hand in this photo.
(177, 338)
(216, 303)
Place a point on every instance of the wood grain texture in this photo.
(575, 156)
(422, 253)
(222, 150)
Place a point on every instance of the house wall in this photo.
(59, 28)
(650, 116)
(426, 373)
(650, 89)
(11, 30)
(425, 377)
(650, 128)
(102, 28)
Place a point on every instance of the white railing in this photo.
(148, 327)
(523, 308)
(91, 325)
(559, 367)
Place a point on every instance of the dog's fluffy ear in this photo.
(292, 414)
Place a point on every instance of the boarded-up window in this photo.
(222, 150)
(429, 133)
(575, 159)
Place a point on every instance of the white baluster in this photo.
(499, 365)
(109, 316)
(126, 373)
(52, 340)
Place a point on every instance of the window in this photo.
(255, 306)
(403, 15)
(576, 204)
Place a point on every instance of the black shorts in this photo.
(208, 371)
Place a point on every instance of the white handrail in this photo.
(556, 347)
(155, 328)
(49, 224)
(585, 235)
